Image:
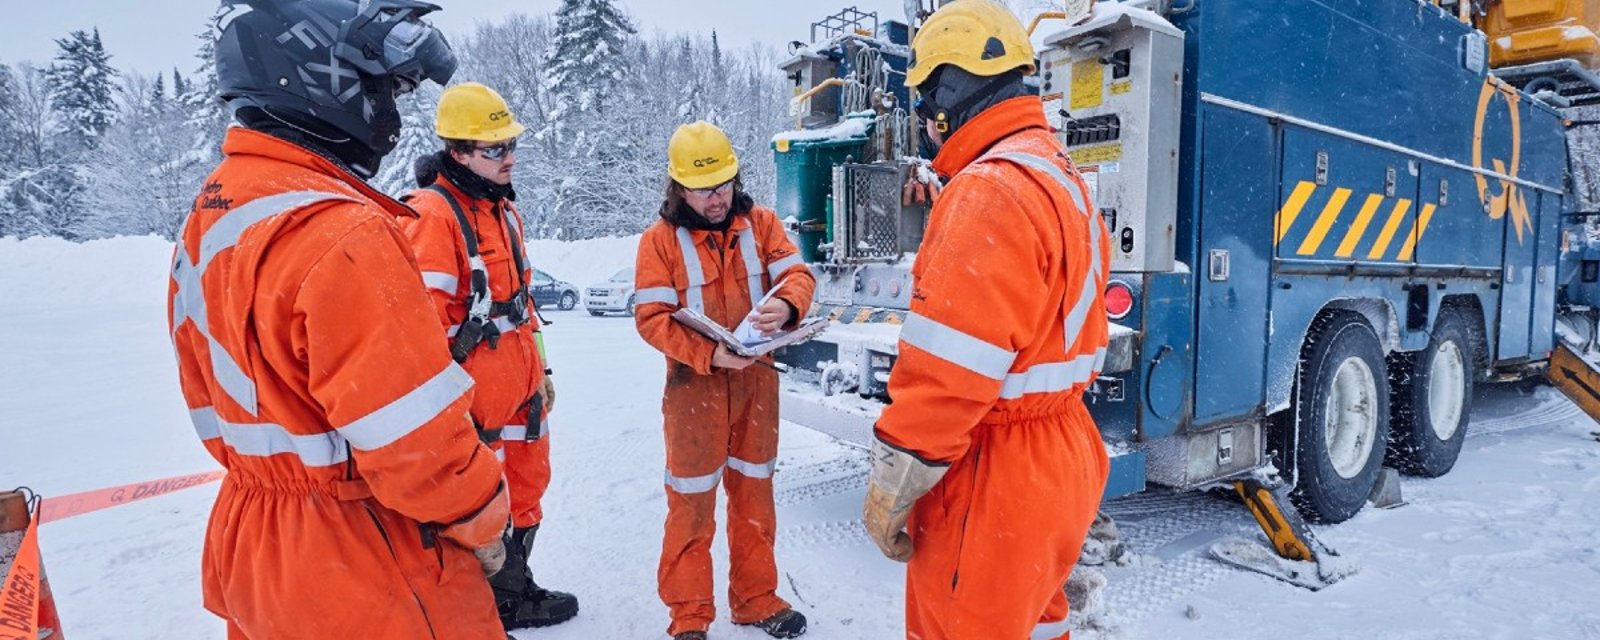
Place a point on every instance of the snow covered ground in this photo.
(1503, 547)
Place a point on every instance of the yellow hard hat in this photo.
(472, 111)
(700, 156)
(979, 36)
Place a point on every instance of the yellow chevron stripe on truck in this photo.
(1331, 220)
(1330, 214)
(1358, 229)
(1417, 229)
(1401, 208)
(1291, 209)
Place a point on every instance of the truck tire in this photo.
(1433, 399)
(1341, 407)
(568, 301)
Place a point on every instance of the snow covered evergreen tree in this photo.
(417, 139)
(207, 118)
(588, 79)
(142, 182)
(157, 100)
(29, 118)
(179, 86)
(8, 100)
(39, 193)
(600, 103)
(586, 62)
(82, 86)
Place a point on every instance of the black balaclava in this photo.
(961, 96)
(355, 157)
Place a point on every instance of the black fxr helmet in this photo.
(330, 68)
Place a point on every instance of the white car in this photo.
(615, 294)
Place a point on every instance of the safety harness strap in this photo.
(479, 325)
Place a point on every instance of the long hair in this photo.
(678, 212)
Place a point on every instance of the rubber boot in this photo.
(521, 601)
(783, 624)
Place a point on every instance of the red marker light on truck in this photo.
(1119, 300)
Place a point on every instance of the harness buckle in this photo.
(467, 337)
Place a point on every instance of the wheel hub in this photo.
(1351, 417)
(1446, 394)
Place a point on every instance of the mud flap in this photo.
(1293, 553)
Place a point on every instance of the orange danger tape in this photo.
(80, 503)
(19, 598)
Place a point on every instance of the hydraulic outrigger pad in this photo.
(1301, 559)
(1576, 378)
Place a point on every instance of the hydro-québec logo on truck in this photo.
(1500, 104)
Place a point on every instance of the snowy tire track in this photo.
(823, 535)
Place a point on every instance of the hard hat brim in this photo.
(497, 134)
(706, 181)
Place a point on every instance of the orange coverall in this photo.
(309, 358)
(721, 425)
(1007, 329)
(507, 375)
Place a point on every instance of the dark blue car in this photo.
(547, 290)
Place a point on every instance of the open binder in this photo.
(753, 345)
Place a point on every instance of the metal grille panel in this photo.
(873, 229)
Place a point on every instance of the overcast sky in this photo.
(156, 35)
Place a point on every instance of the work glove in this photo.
(898, 480)
(482, 530)
(491, 556)
(548, 390)
(920, 188)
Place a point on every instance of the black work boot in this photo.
(522, 602)
(690, 635)
(783, 624)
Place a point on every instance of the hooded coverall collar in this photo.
(248, 142)
(472, 184)
(982, 132)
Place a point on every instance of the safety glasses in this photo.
(498, 152)
(718, 190)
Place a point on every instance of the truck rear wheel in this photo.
(1341, 408)
(1433, 399)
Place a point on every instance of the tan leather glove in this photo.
(482, 531)
(898, 480)
(918, 191)
(491, 556)
(548, 390)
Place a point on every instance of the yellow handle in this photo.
(795, 102)
(1048, 15)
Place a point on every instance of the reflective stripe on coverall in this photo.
(507, 375)
(1007, 329)
(721, 425)
(309, 358)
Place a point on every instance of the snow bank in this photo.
(583, 262)
(112, 271)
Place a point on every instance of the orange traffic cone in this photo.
(27, 608)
